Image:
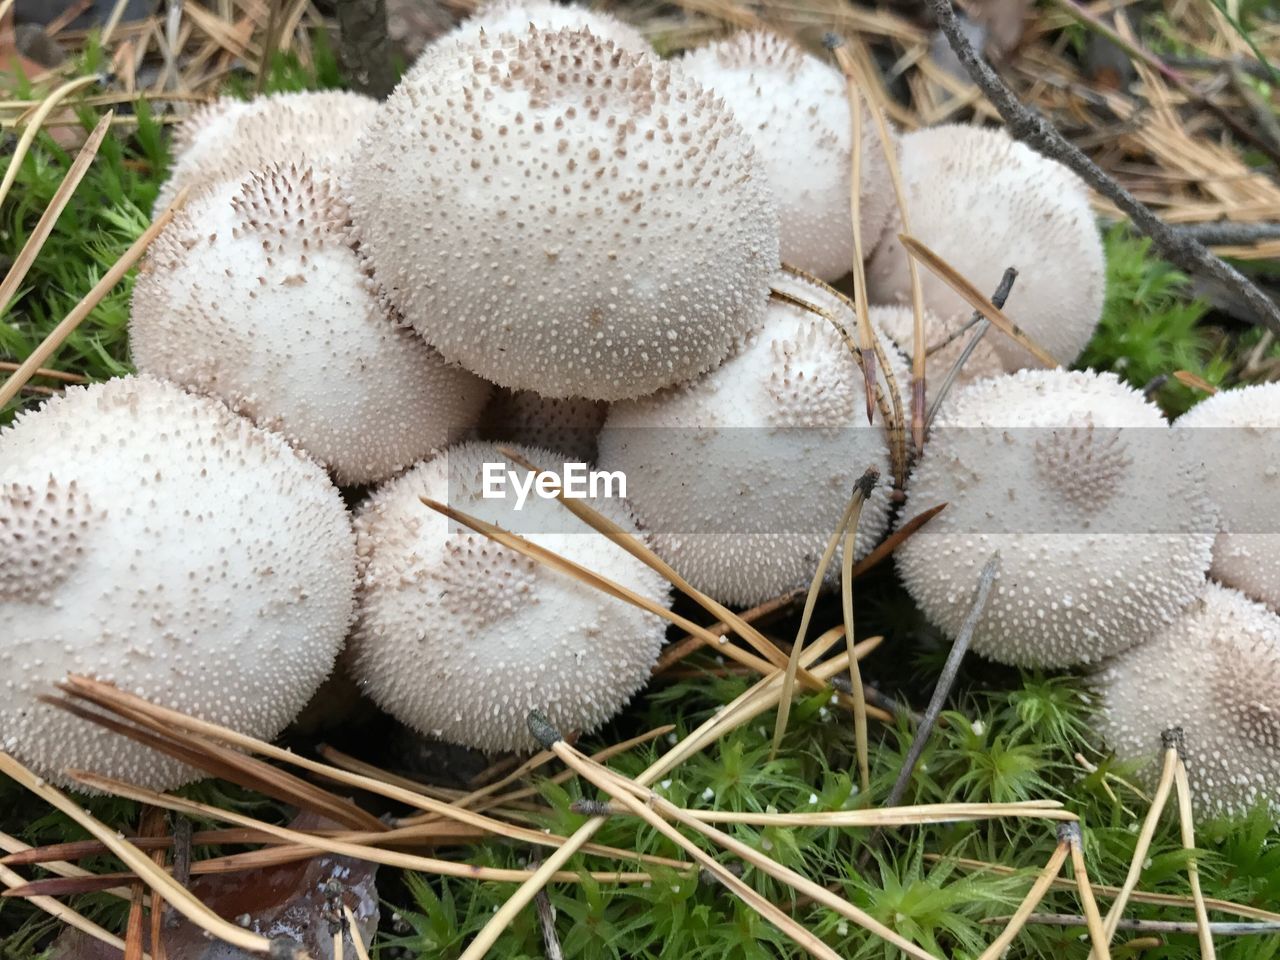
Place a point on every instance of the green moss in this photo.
(1151, 326)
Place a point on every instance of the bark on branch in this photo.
(1027, 125)
(364, 47)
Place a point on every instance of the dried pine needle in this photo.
(811, 601)
(137, 861)
(761, 697)
(342, 848)
(32, 122)
(1187, 828)
(44, 227)
(1032, 900)
(861, 745)
(1145, 835)
(978, 300)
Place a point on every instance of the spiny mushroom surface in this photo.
(557, 214)
(1237, 446)
(255, 294)
(516, 16)
(795, 108)
(569, 425)
(898, 321)
(985, 202)
(1214, 672)
(460, 638)
(229, 138)
(205, 125)
(156, 541)
(742, 475)
(1103, 533)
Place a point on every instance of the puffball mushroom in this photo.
(985, 202)
(1103, 533)
(229, 138)
(517, 16)
(569, 425)
(459, 637)
(206, 124)
(742, 476)
(156, 541)
(1214, 672)
(1238, 449)
(795, 109)
(559, 215)
(256, 295)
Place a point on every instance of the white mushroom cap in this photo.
(204, 126)
(984, 202)
(254, 294)
(742, 475)
(795, 108)
(1239, 451)
(1214, 672)
(517, 16)
(229, 138)
(1102, 531)
(569, 425)
(460, 638)
(155, 540)
(898, 323)
(559, 215)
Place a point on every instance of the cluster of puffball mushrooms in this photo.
(550, 238)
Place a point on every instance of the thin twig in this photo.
(983, 325)
(976, 298)
(9, 367)
(1253, 68)
(365, 47)
(946, 680)
(1033, 129)
(870, 818)
(941, 691)
(679, 649)
(342, 848)
(547, 923)
(1227, 234)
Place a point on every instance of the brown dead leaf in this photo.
(295, 901)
